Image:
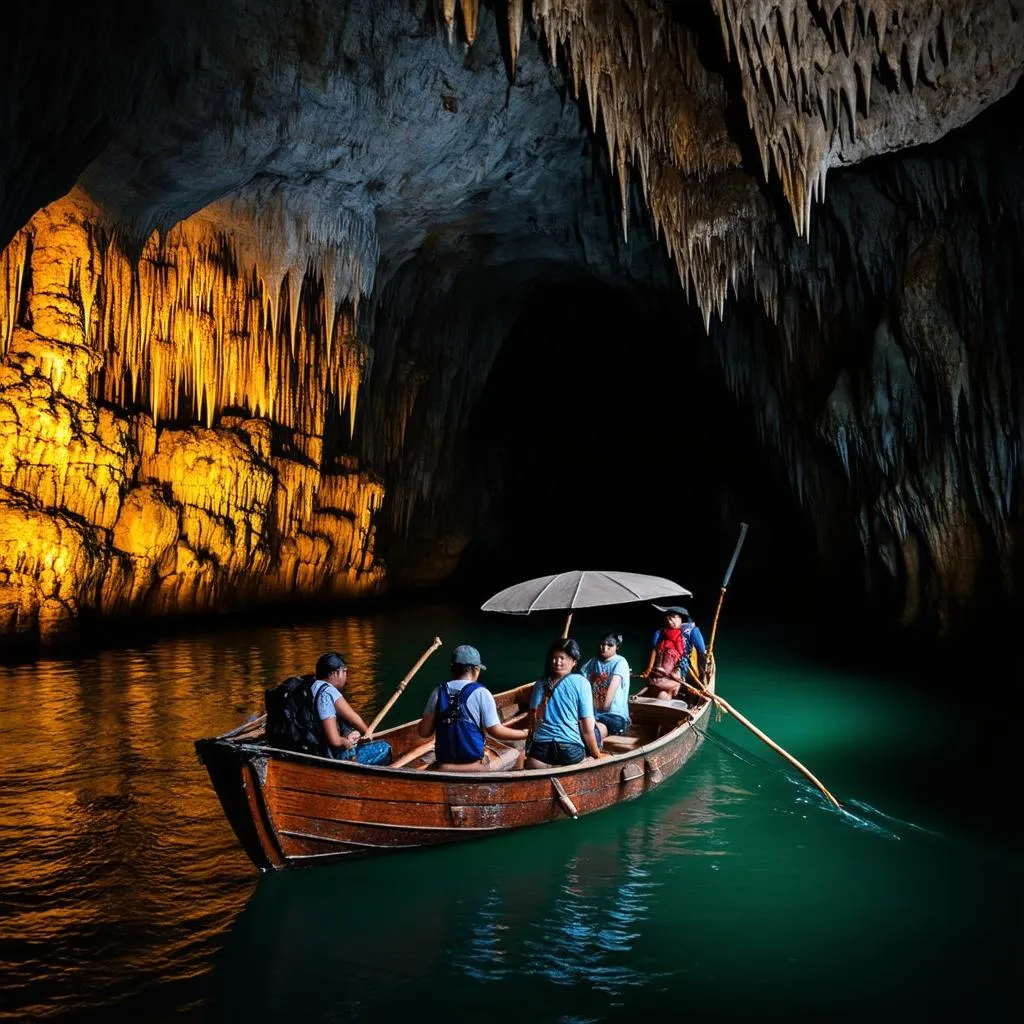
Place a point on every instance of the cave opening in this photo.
(612, 442)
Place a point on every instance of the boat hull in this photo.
(290, 810)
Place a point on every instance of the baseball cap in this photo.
(466, 654)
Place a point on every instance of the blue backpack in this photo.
(457, 738)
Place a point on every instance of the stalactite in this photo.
(470, 18)
(12, 272)
(515, 30)
(185, 331)
(175, 520)
(821, 66)
(659, 109)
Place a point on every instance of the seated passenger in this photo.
(562, 712)
(460, 712)
(609, 679)
(671, 649)
(343, 727)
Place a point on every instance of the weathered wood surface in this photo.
(290, 809)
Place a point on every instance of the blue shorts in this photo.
(375, 752)
(553, 752)
(616, 724)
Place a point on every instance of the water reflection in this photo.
(123, 892)
(118, 872)
(570, 907)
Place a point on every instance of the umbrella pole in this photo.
(568, 623)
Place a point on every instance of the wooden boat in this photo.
(290, 809)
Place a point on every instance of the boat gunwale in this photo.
(254, 750)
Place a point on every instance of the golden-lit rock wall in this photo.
(161, 430)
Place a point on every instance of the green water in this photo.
(732, 892)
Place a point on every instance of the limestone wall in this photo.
(107, 511)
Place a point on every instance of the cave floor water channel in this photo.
(729, 893)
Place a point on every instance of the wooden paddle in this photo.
(724, 705)
(725, 585)
(720, 702)
(403, 684)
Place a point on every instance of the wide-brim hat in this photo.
(672, 609)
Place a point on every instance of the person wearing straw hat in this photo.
(671, 650)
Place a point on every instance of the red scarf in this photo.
(672, 641)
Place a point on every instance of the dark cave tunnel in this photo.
(605, 437)
(611, 442)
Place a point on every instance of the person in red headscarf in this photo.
(671, 649)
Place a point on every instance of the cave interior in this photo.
(308, 302)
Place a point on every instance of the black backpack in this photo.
(292, 719)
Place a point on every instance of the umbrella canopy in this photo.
(581, 588)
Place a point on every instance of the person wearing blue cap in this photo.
(461, 713)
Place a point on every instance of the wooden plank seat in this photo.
(621, 744)
(507, 759)
(655, 703)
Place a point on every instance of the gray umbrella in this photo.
(581, 588)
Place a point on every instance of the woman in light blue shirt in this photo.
(609, 678)
(562, 711)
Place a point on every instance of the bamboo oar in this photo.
(403, 684)
(725, 585)
(722, 703)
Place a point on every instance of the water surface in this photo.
(731, 891)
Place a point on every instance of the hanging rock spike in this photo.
(515, 32)
(448, 14)
(470, 18)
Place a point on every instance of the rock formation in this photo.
(300, 233)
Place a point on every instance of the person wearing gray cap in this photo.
(346, 735)
(461, 713)
(671, 648)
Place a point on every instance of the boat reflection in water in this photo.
(571, 910)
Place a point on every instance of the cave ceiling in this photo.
(326, 216)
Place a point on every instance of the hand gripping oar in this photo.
(725, 585)
(402, 685)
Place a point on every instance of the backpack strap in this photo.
(469, 689)
(459, 697)
(316, 693)
(442, 691)
(549, 691)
